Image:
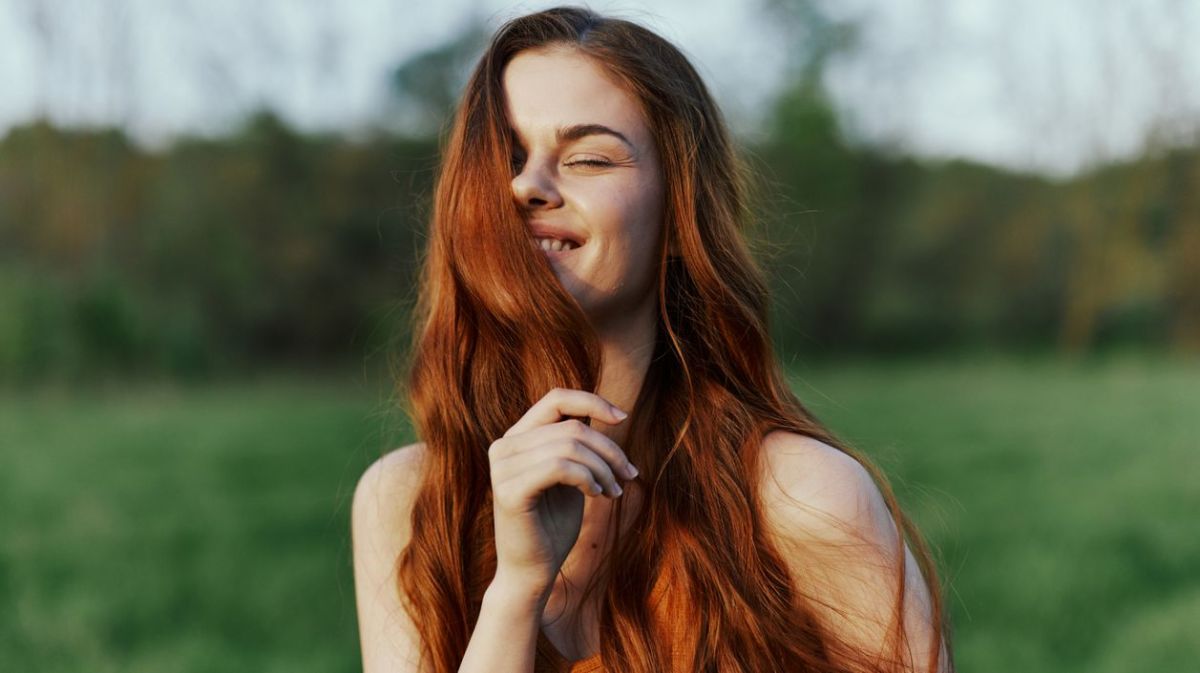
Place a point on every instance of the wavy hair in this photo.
(494, 331)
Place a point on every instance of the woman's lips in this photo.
(541, 230)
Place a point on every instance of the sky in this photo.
(1041, 85)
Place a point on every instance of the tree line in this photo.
(272, 247)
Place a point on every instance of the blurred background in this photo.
(981, 222)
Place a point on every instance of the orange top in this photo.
(668, 617)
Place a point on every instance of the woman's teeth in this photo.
(555, 244)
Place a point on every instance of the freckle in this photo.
(593, 545)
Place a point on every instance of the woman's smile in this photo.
(555, 248)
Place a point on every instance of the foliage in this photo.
(264, 247)
(874, 252)
(271, 247)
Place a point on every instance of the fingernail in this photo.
(617, 489)
(619, 414)
(633, 471)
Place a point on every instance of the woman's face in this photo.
(586, 172)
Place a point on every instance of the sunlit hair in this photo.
(495, 330)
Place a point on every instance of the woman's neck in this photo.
(626, 349)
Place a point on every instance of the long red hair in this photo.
(494, 331)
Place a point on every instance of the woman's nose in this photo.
(533, 187)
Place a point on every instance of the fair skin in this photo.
(555, 482)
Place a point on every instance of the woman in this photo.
(614, 475)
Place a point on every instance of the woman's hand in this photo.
(541, 470)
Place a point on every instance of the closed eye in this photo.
(590, 162)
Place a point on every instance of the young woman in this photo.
(614, 474)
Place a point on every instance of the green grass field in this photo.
(164, 529)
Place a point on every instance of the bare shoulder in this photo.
(391, 480)
(810, 489)
(383, 500)
(381, 528)
(838, 536)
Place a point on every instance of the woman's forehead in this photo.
(547, 90)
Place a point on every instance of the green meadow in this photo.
(163, 528)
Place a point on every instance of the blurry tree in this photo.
(882, 252)
(427, 85)
(816, 248)
(1172, 217)
(815, 37)
(1175, 227)
(268, 246)
(43, 32)
(819, 231)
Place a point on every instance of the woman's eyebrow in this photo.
(577, 131)
(574, 132)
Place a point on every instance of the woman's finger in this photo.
(521, 490)
(573, 429)
(561, 402)
(564, 447)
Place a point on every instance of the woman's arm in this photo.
(506, 635)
